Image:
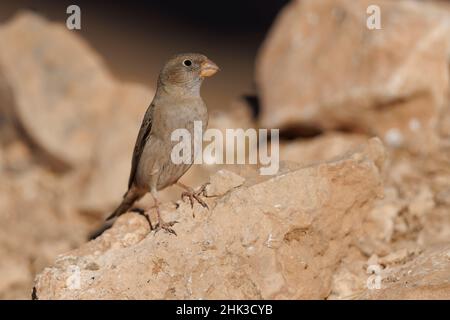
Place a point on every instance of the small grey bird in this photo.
(177, 104)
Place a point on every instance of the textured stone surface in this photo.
(426, 276)
(276, 239)
(223, 181)
(322, 148)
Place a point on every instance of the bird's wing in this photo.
(142, 137)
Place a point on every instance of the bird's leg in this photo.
(193, 195)
(166, 226)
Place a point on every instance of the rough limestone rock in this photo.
(322, 148)
(56, 86)
(37, 220)
(223, 181)
(424, 277)
(280, 238)
(321, 66)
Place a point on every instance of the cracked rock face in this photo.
(274, 239)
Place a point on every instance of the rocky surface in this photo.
(37, 219)
(321, 66)
(322, 148)
(407, 276)
(222, 182)
(271, 240)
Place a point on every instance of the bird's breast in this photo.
(179, 116)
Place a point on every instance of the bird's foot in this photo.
(162, 225)
(166, 226)
(194, 195)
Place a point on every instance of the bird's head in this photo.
(187, 71)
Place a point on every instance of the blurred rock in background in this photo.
(341, 204)
(59, 86)
(321, 66)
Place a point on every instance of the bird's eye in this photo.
(187, 63)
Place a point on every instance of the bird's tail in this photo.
(129, 199)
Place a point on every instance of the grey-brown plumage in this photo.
(177, 104)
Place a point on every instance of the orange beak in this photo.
(208, 68)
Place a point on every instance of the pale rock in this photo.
(54, 87)
(422, 203)
(350, 277)
(333, 72)
(322, 148)
(425, 277)
(398, 257)
(223, 181)
(279, 238)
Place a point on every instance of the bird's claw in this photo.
(166, 226)
(195, 196)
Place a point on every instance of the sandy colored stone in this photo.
(426, 277)
(56, 86)
(445, 124)
(320, 66)
(32, 203)
(276, 239)
(398, 257)
(410, 219)
(322, 148)
(223, 181)
(350, 276)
